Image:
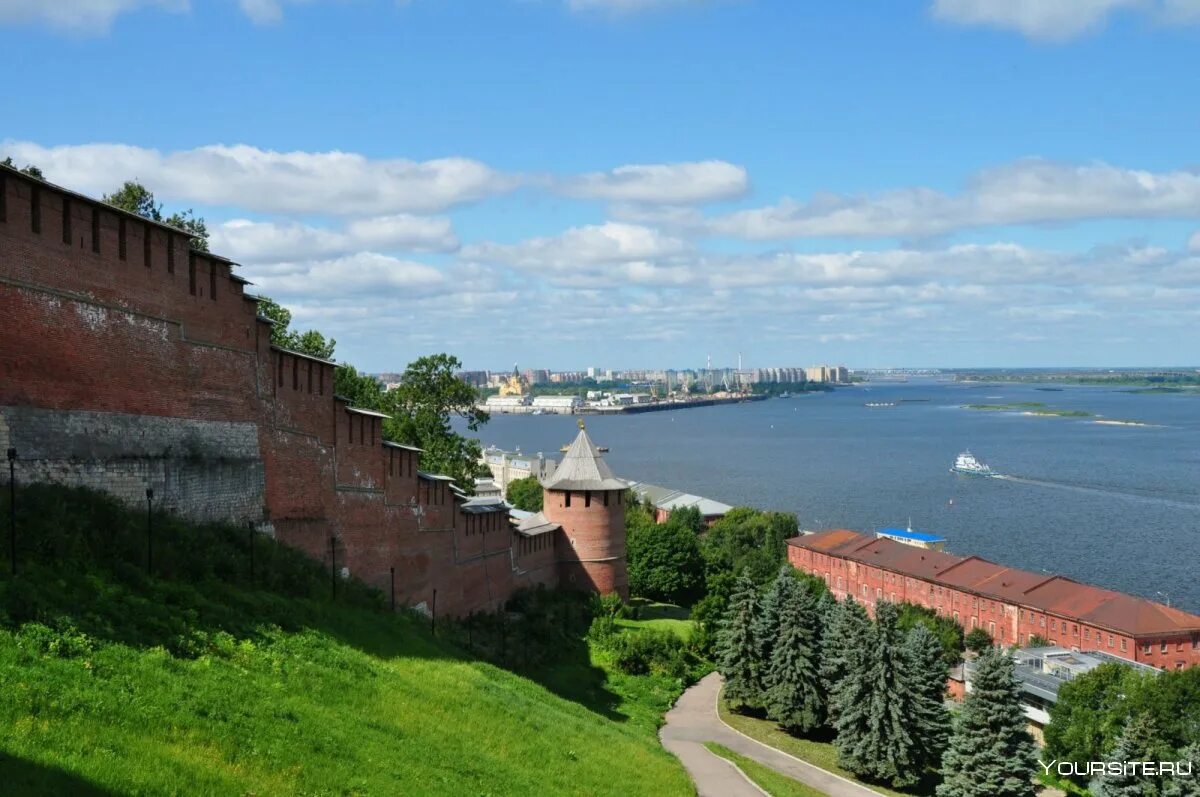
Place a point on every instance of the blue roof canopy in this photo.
(909, 534)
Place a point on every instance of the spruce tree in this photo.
(738, 647)
(1185, 785)
(872, 730)
(794, 696)
(925, 676)
(1139, 741)
(843, 642)
(991, 754)
(767, 625)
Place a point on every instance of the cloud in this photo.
(603, 255)
(1031, 191)
(337, 183)
(90, 17)
(1194, 242)
(661, 184)
(1058, 20)
(272, 242)
(362, 274)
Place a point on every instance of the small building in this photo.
(1042, 671)
(487, 488)
(564, 405)
(665, 500)
(907, 536)
(508, 466)
(503, 403)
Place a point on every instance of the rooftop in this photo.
(1045, 592)
(909, 534)
(668, 499)
(582, 468)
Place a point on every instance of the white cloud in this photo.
(338, 183)
(1194, 242)
(606, 254)
(1025, 192)
(1058, 20)
(90, 17)
(661, 184)
(272, 242)
(365, 273)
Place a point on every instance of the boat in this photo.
(785, 394)
(880, 404)
(968, 465)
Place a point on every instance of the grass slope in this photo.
(764, 777)
(194, 681)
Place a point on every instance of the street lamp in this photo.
(1165, 597)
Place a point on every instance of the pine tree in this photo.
(1139, 741)
(843, 642)
(990, 752)
(794, 696)
(925, 675)
(1185, 785)
(767, 625)
(872, 730)
(738, 658)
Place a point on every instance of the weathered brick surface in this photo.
(128, 362)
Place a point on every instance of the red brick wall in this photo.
(1013, 625)
(173, 336)
(591, 546)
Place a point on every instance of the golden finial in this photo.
(580, 423)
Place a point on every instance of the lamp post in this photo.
(1165, 597)
(149, 527)
(12, 509)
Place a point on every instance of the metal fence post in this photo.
(12, 509)
(149, 528)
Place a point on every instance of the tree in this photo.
(310, 342)
(748, 540)
(28, 169)
(925, 675)
(665, 562)
(422, 405)
(873, 740)
(795, 697)
(1090, 712)
(948, 632)
(136, 198)
(843, 645)
(525, 494)
(738, 649)
(990, 752)
(767, 627)
(1186, 785)
(1139, 741)
(977, 640)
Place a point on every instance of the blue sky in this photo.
(637, 183)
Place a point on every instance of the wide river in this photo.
(1117, 506)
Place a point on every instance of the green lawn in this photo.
(193, 681)
(819, 753)
(663, 616)
(765, 778)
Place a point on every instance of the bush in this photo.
(977, 640)
(650, 651)
(603, 629)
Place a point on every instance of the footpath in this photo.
(694, 721)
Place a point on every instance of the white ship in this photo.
(967, 465)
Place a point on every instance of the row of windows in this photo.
(587, 497)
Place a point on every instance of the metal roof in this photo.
(533, 524)
(582, 468)
(909, 534)
(433, 477)
(1045, 592)
(480, 506)
(401, 445)
(668, 499)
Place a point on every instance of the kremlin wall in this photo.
(129, 361)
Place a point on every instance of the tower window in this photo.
(587, 497)
(567, 500)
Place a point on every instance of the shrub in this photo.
(650, 651)
(977, 640)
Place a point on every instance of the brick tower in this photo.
(588, 502)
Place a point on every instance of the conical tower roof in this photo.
(582, 468)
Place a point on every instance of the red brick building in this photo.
(1011, 605)
(129, 360)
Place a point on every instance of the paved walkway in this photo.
(694, 721)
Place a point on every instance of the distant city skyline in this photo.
(940, 183)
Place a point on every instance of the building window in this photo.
(96, 230)
(1043, 622)
(992, 629)
(1087, 633)
(1124, 646)
(1074, 630)
(878, 594)
(567, 503)
(587, 498)
(1053, 627)
(1162, 648)
(1147, 648)
(1110, 640)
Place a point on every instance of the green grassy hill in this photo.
(193, 680)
